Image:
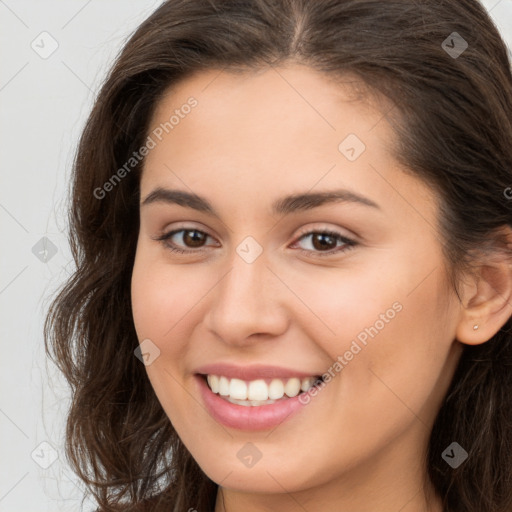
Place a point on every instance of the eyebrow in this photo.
(288, 204)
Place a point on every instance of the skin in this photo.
(359, 445)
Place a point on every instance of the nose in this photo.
(247, 304)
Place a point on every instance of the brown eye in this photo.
(325, 243)
(190, 239)
(322, 241)
(196, 239)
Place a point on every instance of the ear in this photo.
(487, 294)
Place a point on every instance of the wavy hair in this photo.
(454, 131)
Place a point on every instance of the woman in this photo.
(293, 291)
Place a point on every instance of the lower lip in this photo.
(242, 417)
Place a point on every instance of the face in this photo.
(265, 292)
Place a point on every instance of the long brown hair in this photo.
(455, 132)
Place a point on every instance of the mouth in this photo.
(259, 392)
(257, 397)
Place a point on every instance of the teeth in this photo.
(250, 403)
(223, 386)
(258, 392)
(306, 384)
(292, 387)
(238, 389)
(213, 381)
(276, 389)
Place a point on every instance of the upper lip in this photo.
(252, 372)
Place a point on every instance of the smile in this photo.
(258, 392)
(254, 398)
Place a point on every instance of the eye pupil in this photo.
(195, 240)
(322, 237)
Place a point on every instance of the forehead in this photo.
(269, 111)
(295, 99)
(286, 129)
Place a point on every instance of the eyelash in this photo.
(348, 243)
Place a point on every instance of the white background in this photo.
(43, 106)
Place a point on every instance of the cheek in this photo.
(344, 304)
(161, 296)
(161, 305)
(402, 369)
(390, 330)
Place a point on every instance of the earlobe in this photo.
(488, 306)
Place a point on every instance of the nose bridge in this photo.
(246, 298)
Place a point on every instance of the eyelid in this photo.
(348, 241)
(166, 235)
(325, 228)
